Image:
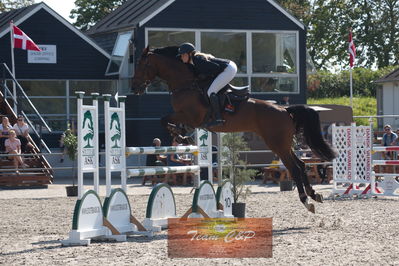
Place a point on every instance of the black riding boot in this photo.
(216, 111)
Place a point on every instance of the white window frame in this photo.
(124, 58)
(249, 73)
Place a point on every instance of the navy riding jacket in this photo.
(209, 68)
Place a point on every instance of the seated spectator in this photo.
(285, 100)
(176, 160)
(388, 139)
(22, 130)
(4, 131)
(13, 146)
(154, 160)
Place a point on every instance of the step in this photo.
(15, 180)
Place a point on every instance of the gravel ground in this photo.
(362, 231)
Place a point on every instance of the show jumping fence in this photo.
(353, 168)
(114, 219)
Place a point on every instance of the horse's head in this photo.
(144, 74)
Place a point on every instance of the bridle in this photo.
(147, 67)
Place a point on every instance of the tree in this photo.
(233, 143)
(88, 12)
(7, 5)
(378, 32)
(375, 25)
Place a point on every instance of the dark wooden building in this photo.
(70, 61)
(267, 43)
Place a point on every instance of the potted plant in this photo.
(71, 146)
(239, 175)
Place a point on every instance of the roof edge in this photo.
(66, 23)
(23, 18)
(287, 14)
(156, 12)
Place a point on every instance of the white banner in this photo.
(48, 55)
(204, 142)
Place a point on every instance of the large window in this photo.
(169, 38)
(231, 45)
(273, 52)
(266, 60)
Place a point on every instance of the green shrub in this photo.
(233, 143)
(361, 106)
(324, 84)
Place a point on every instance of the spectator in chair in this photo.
(22, 130)
(13, 146)
(154, 160)
(285, 100)
(5, 127)
(176, 160)
(388, 139)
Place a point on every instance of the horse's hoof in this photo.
(189, 141)
(310, 207)
(180, 139)
(319, 198)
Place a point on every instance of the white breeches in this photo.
(223, 78)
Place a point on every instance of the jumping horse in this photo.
(275, 124)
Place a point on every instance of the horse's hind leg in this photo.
(288, 159)
(171, 122)
(308, 188)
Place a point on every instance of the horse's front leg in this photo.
(171, 123)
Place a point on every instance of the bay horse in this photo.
(276, 125)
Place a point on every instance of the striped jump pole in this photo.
(386, 162)
(385, 148)
(195, 150)
(162, 150)
(163, 170)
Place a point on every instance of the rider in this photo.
(221, 70)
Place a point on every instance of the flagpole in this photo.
(351, 88)
(14, 87)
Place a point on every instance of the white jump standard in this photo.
(88, 219)
(117, 208)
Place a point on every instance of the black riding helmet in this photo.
(185, 48)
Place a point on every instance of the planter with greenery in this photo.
(239, 175)
(71, 146)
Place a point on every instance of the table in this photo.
(268, 173)
(313, 168)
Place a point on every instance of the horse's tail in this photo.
(308, 119)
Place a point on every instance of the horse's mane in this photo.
(171, 52)
(168, 51)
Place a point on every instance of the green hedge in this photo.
(361, 106)
(324, 84)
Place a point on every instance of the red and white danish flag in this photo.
(21, 40)
(351, 50)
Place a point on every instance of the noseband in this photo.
(148, 67)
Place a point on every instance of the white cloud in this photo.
(62, 7)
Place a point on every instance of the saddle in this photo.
(230, 97)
